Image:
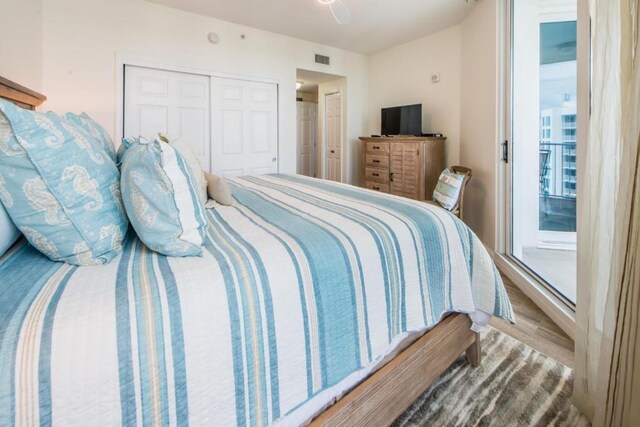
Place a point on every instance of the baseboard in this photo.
(562, 315)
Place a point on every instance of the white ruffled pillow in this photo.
(160, 197)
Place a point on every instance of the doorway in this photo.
(321, 119)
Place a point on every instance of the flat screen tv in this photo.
(404, 120)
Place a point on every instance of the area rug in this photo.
(514, 386)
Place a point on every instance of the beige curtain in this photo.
(607, 371)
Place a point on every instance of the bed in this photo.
(315, 302)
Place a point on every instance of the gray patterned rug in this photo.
(514, 386)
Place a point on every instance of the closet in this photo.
(231, 124)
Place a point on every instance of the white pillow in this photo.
(193, 163)
(218, 189)
(8, 231)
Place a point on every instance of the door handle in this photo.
(274, 159)
(391, 177)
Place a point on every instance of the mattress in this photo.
(304, 288)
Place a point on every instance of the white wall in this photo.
(83, 39)
(21, 42)
(479, 133)
(402, 75)
(463, 106)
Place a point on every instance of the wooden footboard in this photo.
(386, 394)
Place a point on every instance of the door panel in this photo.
(176, 104)
(194, 127)
(543, 125)
(232, 131)
(193, 90)
(333, 134)
(151, 119)
(259, 129)
(244, 127)
(151, 86)
(306, 115)
(405, 168)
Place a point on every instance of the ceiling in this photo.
(311, 79)
(375, 24)
(558, 42)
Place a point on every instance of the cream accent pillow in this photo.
(218, 189)
(192, 162)
(448, 189)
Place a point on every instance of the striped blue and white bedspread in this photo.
(304, 287)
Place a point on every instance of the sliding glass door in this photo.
(543, 125)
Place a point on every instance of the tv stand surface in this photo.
(423, 135)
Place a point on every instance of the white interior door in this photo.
(244, 127)
(333, 132)
(176, 104)
(306, 146)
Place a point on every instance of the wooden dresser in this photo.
(406, 166)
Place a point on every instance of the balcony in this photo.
(558, 187)
(553, 258)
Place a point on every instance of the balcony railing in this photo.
(558, 186)
(558, 169)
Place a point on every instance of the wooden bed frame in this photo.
(20, 95)
(387, 393)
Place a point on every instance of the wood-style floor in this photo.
(535, 328)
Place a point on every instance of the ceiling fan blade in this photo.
(340, 12)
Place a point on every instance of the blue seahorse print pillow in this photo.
(161, 199)
(59, 187)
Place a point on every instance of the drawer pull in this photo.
(376, 188)
(376, 161)
(391, 177)
(376, 147)
(375, 174)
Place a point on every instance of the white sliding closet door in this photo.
(176, 104)
(244, 127)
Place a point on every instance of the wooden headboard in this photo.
(20, 95)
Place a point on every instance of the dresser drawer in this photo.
(377, 175)
(377, 160)
(376, 186)
(377, 147)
